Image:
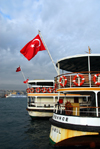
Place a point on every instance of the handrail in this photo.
(77, 110)
(80, 106)
(78, 79)
(41, 102)
(81, 72)
(48, 90)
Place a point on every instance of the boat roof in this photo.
(41, 82)
(78, 63)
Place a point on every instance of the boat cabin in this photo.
(82, 77)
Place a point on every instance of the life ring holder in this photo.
(44, 90)
(65, 79)
(28, 90)
(68, 108)
(95, 77)
(81, 83)
(50, 90)
(32, 90)
(38, 90)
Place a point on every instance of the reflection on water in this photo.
(38, 132)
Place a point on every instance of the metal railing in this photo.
(78, 79)
(77, 111)
(41, 104)
(41, 90)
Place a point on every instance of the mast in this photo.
(48, 52)
(89, 65)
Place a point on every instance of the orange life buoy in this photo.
(44, 90)
(32, 90)
(28, 90)
(55, 90)
(95, 77)
(55, 85)
(82, 78)
(50, 90)
(38, 90)
(60, 81)
(68, 108)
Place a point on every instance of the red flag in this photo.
(26, 81)
(18, 69)
(32, 47)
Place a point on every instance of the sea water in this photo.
(18, 131)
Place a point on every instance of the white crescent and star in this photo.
(32, 45)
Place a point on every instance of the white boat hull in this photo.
(40, 112)
(66, 137)
(67, 130)
(34, 114)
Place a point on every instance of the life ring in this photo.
(32, 90)
(68, 108)
(60, 81)
(28, 90)
(44, 90)
(95, 77)
(55, 90)
(82, 78)
(55, 85)
(38, 90)
(50, 90)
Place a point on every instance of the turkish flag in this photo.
(26, 81)
(18, 69)
(32, 48)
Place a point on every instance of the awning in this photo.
(79, 63)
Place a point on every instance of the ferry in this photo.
(41, 98)
(76, 120)
(14, 95)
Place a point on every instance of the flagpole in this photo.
(23, 76)
(22, 73)
(48, 52)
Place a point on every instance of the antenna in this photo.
(89, 50)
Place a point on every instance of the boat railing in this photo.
(78, 79)
(41, 90)
(41, 104)
(83, 111)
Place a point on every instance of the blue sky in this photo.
(68, 27)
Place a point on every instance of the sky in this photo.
(68, 27)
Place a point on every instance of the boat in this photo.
(15, 95)
(41, 98)
(76, 121)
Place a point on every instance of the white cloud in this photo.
(68, 28)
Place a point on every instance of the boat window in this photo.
(33, 99)
(76, 100)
